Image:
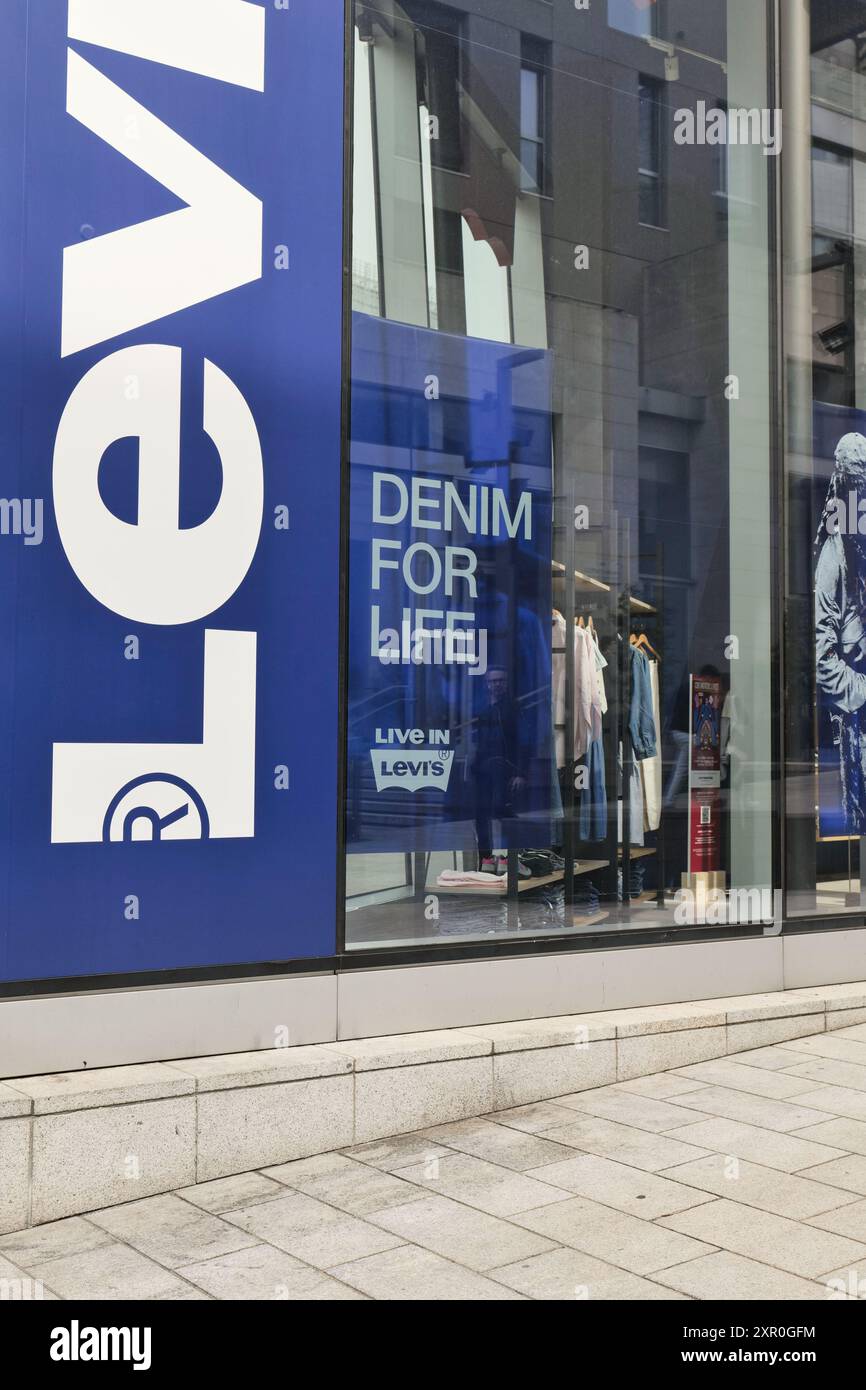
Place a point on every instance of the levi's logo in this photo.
(155, 571)
(412, 759)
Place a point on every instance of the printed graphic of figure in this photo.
(840, 641)
(706, 729)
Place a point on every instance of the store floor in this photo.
(742, 1178)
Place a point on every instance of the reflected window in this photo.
(633, 16)
(437, 55)
(832, 190)
(650, 191)
(533, 119)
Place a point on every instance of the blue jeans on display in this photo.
(592, 816)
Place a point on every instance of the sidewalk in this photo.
(738, 1178)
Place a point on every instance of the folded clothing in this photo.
(469, 878)
(636, 878)
(542, 862)
(587, 899)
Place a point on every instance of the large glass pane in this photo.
(824, 95)
(560, 532)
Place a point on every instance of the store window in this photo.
(560, 536)
(825, 486)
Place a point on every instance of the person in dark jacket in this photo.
(499, 764)
(840, 637)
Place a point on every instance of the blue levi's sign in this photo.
(450, 740)
(170, 285)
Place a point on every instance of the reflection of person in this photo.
(840, 640)
(499, 778)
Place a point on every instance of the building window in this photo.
(437, 55)
(832, 191)
(650, 173)
(533, 117)
(639, 17)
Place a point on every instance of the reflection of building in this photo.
(482, 206)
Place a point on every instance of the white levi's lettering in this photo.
(154, 571)
(140, 274)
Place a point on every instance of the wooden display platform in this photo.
(586, 866)
(589, 921)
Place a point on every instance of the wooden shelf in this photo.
(586, 866)
(523, 884)
(583, 581)
(586, 581)
(589, 866)
(639, 851)
(591, 920)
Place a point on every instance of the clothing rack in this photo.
(613, 612)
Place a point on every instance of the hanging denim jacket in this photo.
(641, 722)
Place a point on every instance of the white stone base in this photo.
(78, 1141)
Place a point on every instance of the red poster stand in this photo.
(705, 763)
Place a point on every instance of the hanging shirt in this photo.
(600, 663)
(589, 698)
(651, 768)
(587, 726)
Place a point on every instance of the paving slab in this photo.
(848, 1173)
(622, 1240)
(170, 1230)
(486, 1186)
(415, 1275)
(261, 1272)
(784, 1194)
(640, 1148)
(787, 1152)
(468, 1237)
(565, 1274)
(109, 1272)
(618, 1185)
(345, 1183)
(789, 1245)
(723, 1276)
(313, 1232)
